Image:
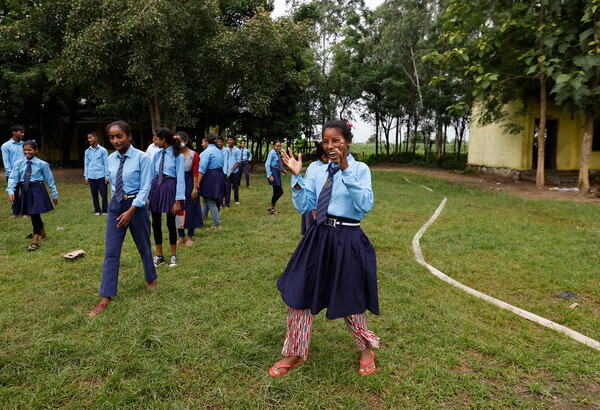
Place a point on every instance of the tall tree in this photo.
(577, 71)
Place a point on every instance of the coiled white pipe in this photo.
(523, 313)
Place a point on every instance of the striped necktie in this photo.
(325, 195)
(119, 181)
(27, 178)
(161, 167)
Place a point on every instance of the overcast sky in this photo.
(361, 130)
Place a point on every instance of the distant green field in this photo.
(208, 335)
(368, 148)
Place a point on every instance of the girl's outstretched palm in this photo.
(294, 165)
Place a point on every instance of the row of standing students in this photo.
(333, 267)
(163, 183)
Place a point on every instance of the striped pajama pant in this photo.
(299, 329)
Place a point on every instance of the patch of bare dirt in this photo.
(493, 182)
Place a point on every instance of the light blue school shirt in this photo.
(211, 158)
(11, 152)
(245, 154)
(313, 167)
(273, 160)
(351, 196)
(137, 175)
(173, 167)
(230, 157)
(40, 171)
(151, 151)
(95, 163)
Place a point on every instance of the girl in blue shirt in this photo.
(167, 192)
(130, 177)
(211, 179)
(334, 265)
(30, 174)
(274, 168)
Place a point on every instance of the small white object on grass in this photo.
(73, 254)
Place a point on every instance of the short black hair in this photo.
(211, 138)
(32, 143)
(16, 128)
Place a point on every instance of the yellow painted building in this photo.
(493, 148)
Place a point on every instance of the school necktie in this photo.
(27, 178)
(119, 181)
(161, 167)
(281, 168)
(325, 195)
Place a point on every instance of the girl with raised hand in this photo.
(30, 174)
(274, 168)
(334, 265)
(167, 191)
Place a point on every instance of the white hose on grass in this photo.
(523, 313)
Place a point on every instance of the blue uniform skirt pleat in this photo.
(276, 173)
(162, 195)
(213, 184)
(333, 269)
(193, 212)
(34, 201)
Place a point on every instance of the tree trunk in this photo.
(70, 133)
(156, 111)
(439, 154)
(376, 133)
(444, 139)
(414, 144)
(586, 147)
(152, 116)
(407, 137)
(386, 131)
(539, 174)
(462, 124)
(396, 152)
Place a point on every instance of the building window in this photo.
(596, 135)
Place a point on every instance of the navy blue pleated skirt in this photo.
(333, 268)
(162, 195)
(213, 184)
(276, 173)
(307, 219)
(34, 201)
(193, 212)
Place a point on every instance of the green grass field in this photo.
(208, 335)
